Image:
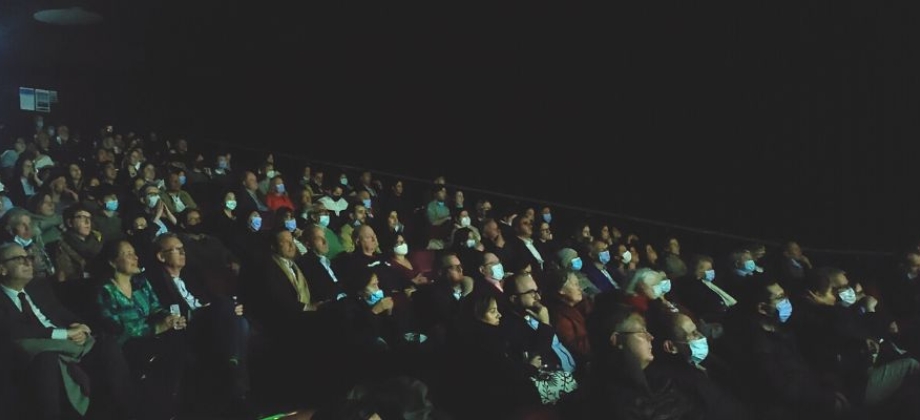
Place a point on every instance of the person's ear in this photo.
(669, 347)
(615, 340)
(763, 308)
(160, 257)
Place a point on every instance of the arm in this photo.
(571, 339)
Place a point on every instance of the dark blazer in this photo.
(524, 338)
(321, 285)
(44, 299)
(517, 256)
(600, 280)
(168, 293)
(245, 204)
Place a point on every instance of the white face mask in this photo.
(270, 174)
(847, 297)
(470, 243)
(627, 257)
(401, 249)
(661, 288)
(465, 221)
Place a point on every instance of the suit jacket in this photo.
(322, 287)
(524, 338)
(599, 280)
(517, 256)
(168, 294)
(274, 301)
(44, 299)
(246, 204)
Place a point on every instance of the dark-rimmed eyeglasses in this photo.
(20, 259)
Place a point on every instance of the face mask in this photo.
(23, 242)
(665, 286)
(548, 217)
(256, 223)
(658, 290)
(465, 221)
(401, 249)
(470, 243)
(498, 271)
(222, 164)
(750, 266)
(111, 205)
(324, 220)
(152, 200)
(343, 180)
(847, 297)
(51, 131)
(576, 263)
(230, 204)
(440, 204)
(182, 179)
(710, 275)
(604, 257)
(374, 297)
(367, 203)
(627, 257)
(290, 225)
(270, 174)
(699, 349)
(784, 308)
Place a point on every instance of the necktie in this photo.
(27, 309)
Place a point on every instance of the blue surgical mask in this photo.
(290, 225)
(699, 349)
(256, 223)
(548, 217)
(111, 205)
(270, 174)
(279, 188)
(22, 242)
(152, 200)
(665, 286)
(627, 257)
(374, 297)
(710, 275)
(658, 290)
(784, 308)
(231, 204)
(604, 257)
(222, 164)
(182, 179)
(498, 271)
(750, 266)
(847, 297)
(367, 203)
(324, 220)
(576, 263)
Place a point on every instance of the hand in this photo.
(77, 335)
(409, 291)
(893, 328)
(419, 279)
(72, 194)
(873, 346)
(540, 312)
(870, 303)
(84, 327)
(238, 309)
(820, 299)
(159, 210)
(536, 361)
(385, 305)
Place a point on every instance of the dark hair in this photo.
(479, 304)
(72, 210)
(820, 279)
(358, 280)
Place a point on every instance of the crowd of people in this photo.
(145, 278)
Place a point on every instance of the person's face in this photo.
(285, 244)
(571, 291)
(441, 194)
(490, 230)
(318, 210)
(454, 270)
(488, 261)
(913, 264)
(529, 213)
(182, 145)
(746, 256)
(149, 172)
(139, 224)
(372, 287)
(173, 253)
(229, 197)
(674, 246)
(150, 193)
(126, 260)
(173, 182)
(318, 177)
(17, 264)
(306, 172)
(28, 168)
(367, 239)
(75, 172)
(527, 295)
(686, 331)
(82, 223)
(759, 253)
(46, 208)
(597, 247)
(458, 197)
(249, 182)
(777, 294)
(546, 233)
(134, 157)
(794, 251)
(360, 214)
(400, 240)
(336, 193)
(635, 339)
(398, 188)
(318, 242)
(462, 214)
(193, 218)
(366, 178)
(393, 220)
(526, 228)
(58, 185)
(20, 145)
(605, 233)
(839, 282)
(492, 315)
(485, 209)
(586, 232)
(702, 268)
(306, 198)
(110, 172)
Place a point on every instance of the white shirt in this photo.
(324, 261)
(187, 296)
(533, 251)
(57, 333)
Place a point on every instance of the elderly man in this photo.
(18, 227)
(56, 349)
(316, 265)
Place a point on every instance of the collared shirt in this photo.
(187, 296)
(565, 358)
(57, 333)
(177, 201)
(533, 251)
(324, 261)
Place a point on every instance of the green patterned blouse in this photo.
(136, 315)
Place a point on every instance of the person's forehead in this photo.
(171, 243)
(490, 259)
(82, 213)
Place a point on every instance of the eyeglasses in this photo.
(529, 292)
(179, 249)
(21, 259)
(643, 333)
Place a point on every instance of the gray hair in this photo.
(641, 275)
(14, 217)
